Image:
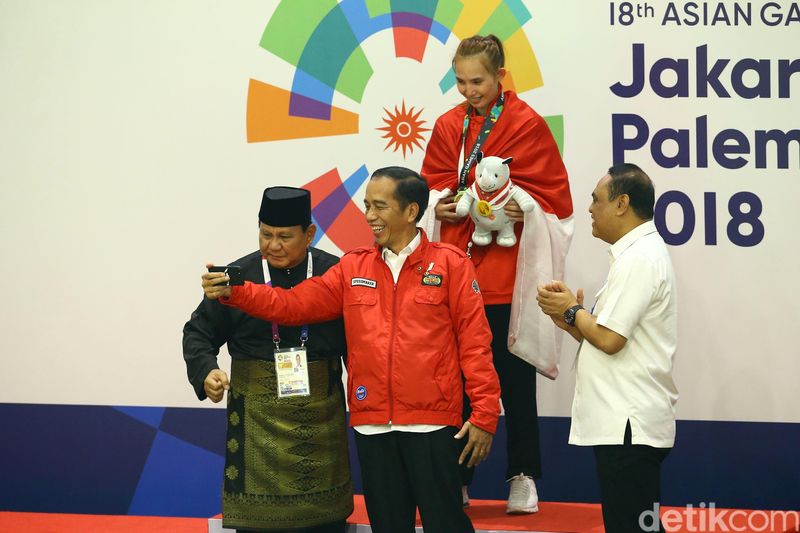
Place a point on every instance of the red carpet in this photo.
(75, 523)
(491, 515)
(487, 515)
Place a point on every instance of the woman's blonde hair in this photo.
(489, 47)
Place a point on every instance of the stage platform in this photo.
(488, 516)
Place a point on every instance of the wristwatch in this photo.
(569, 314)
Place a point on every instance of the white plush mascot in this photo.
(485, 199)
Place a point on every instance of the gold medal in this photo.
(484, 209)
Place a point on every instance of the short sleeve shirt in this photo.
(638, 301)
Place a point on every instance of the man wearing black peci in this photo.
(286, 463)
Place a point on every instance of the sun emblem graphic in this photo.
(403, 129)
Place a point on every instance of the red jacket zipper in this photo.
(391, 348)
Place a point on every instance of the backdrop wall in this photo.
(136, 138)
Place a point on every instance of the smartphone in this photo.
(234, 272)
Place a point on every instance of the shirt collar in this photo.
(631, 237)
(405, 252)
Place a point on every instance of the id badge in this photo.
(291, 367)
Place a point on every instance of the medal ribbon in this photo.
(488, 123)
(495, 198)
(488, 202)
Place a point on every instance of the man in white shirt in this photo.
(624, 393)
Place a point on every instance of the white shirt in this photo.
(638, 301)
(395, 262)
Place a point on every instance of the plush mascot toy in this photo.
(485, 199)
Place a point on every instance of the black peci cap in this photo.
(285, 206)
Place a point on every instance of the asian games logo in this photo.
(371, 76)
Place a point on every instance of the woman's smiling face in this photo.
(476, 83)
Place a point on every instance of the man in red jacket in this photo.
(414, 323)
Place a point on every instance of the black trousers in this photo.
(518, 393)
(403, 471)
(630, 484)
(334, 527)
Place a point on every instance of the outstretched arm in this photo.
(314, 300)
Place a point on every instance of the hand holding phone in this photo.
(234, 273)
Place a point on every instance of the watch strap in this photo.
(571, 313)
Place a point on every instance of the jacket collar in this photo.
(417, 256)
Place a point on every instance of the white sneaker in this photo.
(522, 496)
(464, 496)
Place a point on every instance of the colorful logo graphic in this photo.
(403, 129)
(323, 39)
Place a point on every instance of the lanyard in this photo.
(488, 123)
(276, 337)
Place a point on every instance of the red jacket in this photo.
(408, 344)
(537, 168)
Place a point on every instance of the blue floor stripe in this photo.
(179, 479)
(95, 459)
(149, 415)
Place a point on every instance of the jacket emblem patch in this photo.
(432, 280)
(361, 392)
(475, 286)
(364, 282)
